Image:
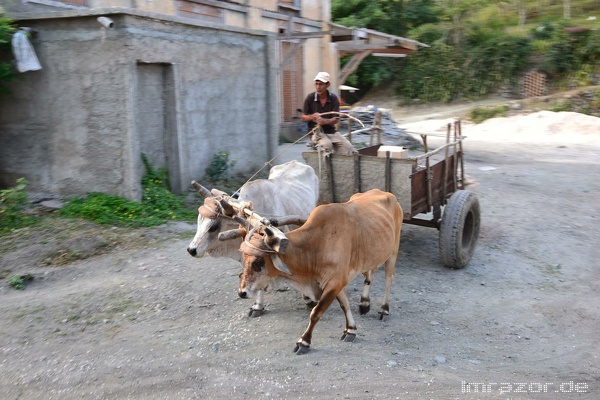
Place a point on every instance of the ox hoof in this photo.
(256, 312)
(383, 316)
(348, 336)
(301, 347)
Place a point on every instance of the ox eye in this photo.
(214, 227)
(258, 264)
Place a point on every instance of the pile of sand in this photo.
(542, 126)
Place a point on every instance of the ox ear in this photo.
(280, 265)
(232, 234)
(276, 239)
(204, 192)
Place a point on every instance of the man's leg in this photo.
(326, 144)
(341, 145)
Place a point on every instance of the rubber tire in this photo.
(459, 229)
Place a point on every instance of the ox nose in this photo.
(192, 251)
(242, 294)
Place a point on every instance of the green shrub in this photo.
(220, 166)
(480, 114)
(431, 75)
(159, 204)
(7, 29)
(18, 282)
(427, 33)
(12, 203)
(544, 31)
(564, 105)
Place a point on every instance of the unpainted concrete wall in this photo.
(177, 92)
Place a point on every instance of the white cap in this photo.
(323, 77)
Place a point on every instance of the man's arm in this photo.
(332, 119)
(307, 115)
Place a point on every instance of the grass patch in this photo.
(480, 114)
(13, 203)
(158, 206)
(19, 282)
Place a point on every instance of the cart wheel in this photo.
(459, 229)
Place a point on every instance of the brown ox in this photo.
(338, 242)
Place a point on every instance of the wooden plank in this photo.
(372, 176)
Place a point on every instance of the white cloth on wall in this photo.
(24, 54)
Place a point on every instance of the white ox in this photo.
(292, 189)
(337, 242)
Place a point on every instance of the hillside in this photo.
(578, 100)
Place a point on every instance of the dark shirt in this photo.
(313, 105)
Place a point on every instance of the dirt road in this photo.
(520, 321)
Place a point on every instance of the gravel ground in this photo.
(141, 319)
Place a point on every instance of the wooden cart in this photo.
(430, 187)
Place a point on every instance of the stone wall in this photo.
(175, 91)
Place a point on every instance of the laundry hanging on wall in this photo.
(24, 54)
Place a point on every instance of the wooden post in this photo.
(350, 129)
(445, 174)
(462, 161)
(376, 127)
(388, 172)
(378, 116)
(427, 172)
(357, 179)
(330, 173)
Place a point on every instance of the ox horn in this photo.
(217, 193)
(242, 221)
(204, 192)
(232, 234)
(276, 239)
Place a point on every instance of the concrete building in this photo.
(175, 80)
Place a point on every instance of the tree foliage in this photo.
(457, 11)
(477, 46)
(382, 15)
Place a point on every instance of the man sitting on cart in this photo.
(316, 105)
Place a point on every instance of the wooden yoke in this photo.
(278, 240)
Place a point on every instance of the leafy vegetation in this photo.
(480, 114)
(220, 166)
(159, 204)
(18, 282)
(7, 29)
(13, 202)
(219, 174)
(476, 46)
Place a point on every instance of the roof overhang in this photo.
(360, 43)
(354, 40)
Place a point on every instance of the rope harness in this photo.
(212, 209)
(254, 245)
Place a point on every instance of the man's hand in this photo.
(326, 121)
